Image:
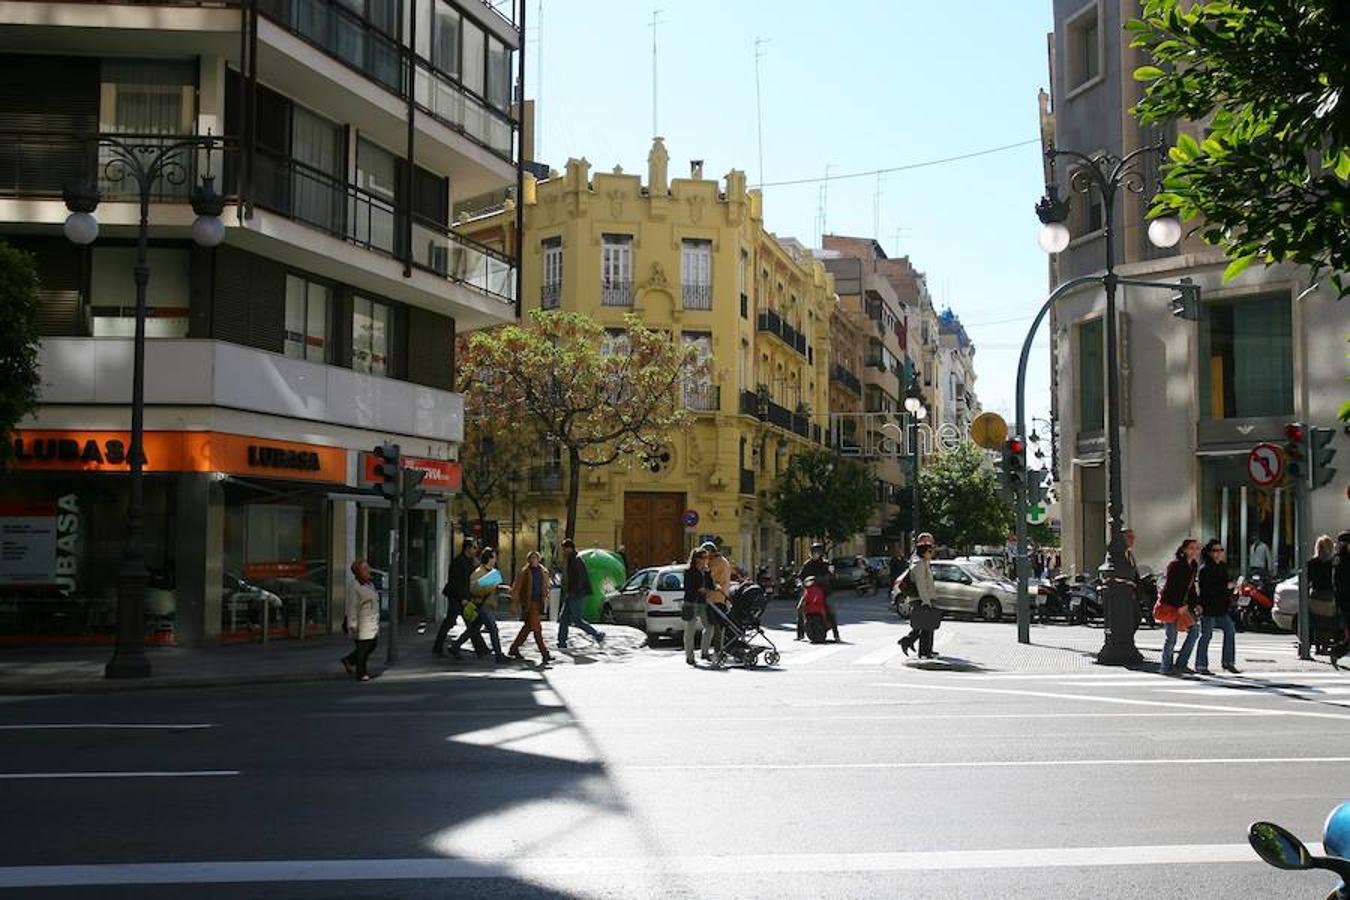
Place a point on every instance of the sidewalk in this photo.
(79, 670)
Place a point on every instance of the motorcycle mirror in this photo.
(1278, 846)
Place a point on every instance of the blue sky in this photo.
(858, 85)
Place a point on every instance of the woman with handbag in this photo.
(923, 614)
(1215, 588)
(1173, 610)
(480, 611)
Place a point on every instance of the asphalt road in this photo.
(850, 771)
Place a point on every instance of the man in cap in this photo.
(819, 568)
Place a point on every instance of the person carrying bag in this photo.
(1174, 608)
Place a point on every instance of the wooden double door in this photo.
(652, 531)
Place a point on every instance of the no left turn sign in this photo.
(1265, 464)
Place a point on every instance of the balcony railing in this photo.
(841, 375)
(749, 403)
(780, 416)
(550, 295)
(697, 296)
(332, 27)
(801, 424)
(545, 479)
(40, 165)
(616, 293)
(771, 322)
(703, 397)
(748, 482)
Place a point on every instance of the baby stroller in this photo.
(741, 628)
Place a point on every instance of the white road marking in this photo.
(440, 868)
(202, 773)
(1099, 698)
(879, 657)
(794, 660)
(962, 764)
(111, 726)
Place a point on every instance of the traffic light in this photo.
(1294, 458)
(1186, 302)
(1320, 454)
(1015, 461)
(387, 469)
(412, 488)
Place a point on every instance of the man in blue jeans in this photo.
(576, 588)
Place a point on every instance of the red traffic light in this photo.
(1294, 432)
(1017, 446)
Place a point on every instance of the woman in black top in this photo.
(1179, 591)
(697, 583)
(1216, 597)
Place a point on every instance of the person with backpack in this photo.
(576, 588)
(1173, 609)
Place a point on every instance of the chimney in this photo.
(696, 169)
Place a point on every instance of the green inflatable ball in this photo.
(607, 574)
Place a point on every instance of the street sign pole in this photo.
(1302, 527)
(395, 555)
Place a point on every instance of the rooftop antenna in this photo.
(655, 22)
(823, 207)
(759, 108)
(876, 207)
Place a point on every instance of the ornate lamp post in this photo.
(145, 163)
(1108, 175)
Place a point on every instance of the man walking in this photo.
(529, 594)
(363, 619)
(457, 592)
(819, 568)
(575, 589)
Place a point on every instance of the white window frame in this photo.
(551, 287)
(616, 270)
(696, 273)
(307, 346)
(367, 359)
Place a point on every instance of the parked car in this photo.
(996, 564)
(849, 572)
(242, 604)
(651, 599)
(1285, 612)
(964, 588)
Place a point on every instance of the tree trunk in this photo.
(573, 492)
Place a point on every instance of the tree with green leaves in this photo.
(1267, 78)
(961, 501)
(19, 376)
(559, 378)
(824, 496)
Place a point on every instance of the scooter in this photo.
(1281, 849)
(1085, 602)
(1255, 602)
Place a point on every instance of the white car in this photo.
(651, 600)
(966, 588)
(1286, 604)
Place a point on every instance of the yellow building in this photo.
(690, 255)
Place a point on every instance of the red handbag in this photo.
(1162, 613)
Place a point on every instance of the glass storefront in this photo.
(423, 581)
(61, 543)
(1237, 512)
(275, 567)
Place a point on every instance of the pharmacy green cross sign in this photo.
(1036, 514)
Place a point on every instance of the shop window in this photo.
(370, 336)
(307, 306)
(113, 307)
(1091, 377)
(1246, 348)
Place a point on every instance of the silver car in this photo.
(968, 589)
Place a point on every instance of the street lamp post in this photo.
(1108, 175)
(513, 484)
(914, 405)
(145, 162)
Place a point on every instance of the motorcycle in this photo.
(1255, 603)
(1085, 603)
(1053, 599)
(1280, 848)
(1147, 590)
(786, 586)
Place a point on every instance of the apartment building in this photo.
(690, 255)
(322, 325)
(955, 389)
(1269, 347)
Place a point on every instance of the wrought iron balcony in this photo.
(546, 479)
(616, 293)
(771, 322)
(697, 296)
(842, 376)
(750, 404)
(703, 398)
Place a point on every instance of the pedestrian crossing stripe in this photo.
(879, 657)
(793, 660)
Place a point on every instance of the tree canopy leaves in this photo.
(1268, 80)
(823, 495)
(960, 500)
(19, 377)
(561, 379)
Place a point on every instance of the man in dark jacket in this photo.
(576, 587)
(456, 591)
(819, 568)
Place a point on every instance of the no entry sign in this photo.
(1265, 464)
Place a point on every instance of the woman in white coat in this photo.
(363, 620)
